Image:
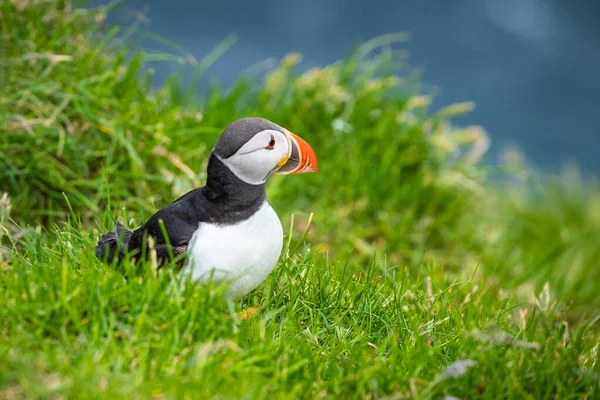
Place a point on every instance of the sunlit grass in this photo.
(76, 327)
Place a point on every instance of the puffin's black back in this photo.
(225, 199)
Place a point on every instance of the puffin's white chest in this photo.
(243, 254)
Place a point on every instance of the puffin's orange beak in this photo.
(301, 157)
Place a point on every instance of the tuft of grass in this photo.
(416, 279)
(546, 228)
(78, 116)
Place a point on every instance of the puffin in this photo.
(227, 229)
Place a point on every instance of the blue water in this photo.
(531, 66)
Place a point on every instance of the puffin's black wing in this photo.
(179, 220)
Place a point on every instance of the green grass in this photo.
(74, 327)
(417, 278)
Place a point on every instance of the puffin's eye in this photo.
(271, 144)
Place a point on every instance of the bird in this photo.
(227, 229)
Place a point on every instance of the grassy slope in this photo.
(461, 286)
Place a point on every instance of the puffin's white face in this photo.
(267, 152)
(258, 157)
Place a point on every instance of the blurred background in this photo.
(530, 66)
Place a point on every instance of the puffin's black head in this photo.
(254, 148)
